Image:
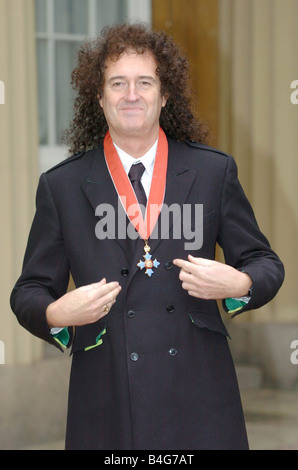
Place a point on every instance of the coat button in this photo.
(170, 308)
(168, 265)
(131, 313)
(125, 272)
(134, 356)
(173, 351)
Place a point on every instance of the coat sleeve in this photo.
(45, 272)
(245, 247)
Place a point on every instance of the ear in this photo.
(99, 98)
(164, 100)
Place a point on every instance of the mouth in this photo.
(130, 109)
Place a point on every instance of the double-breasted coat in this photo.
(156, 372)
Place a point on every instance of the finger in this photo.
(189, 286)
(184, 264)
(191, 259)
(107, 288)
(199, 261)
(194, 293)
(108, 300)
(107, 307)
(185, 276)
(94, 285)
(179, 262)
(110, 296)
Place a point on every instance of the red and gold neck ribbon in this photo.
(125, 191)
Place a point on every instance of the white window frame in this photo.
(52, 153)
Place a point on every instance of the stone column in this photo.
(19, 164)
(258, 124)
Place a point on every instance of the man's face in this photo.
(132, 98)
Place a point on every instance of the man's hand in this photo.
(84, 305)
(208, 279)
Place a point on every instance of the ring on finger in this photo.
(106, 308)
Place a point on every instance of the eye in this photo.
(118, 85)
(144, 84)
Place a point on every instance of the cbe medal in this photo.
(128, 198)
(148, 263)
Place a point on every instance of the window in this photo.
(61, 26)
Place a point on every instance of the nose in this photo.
(132, 92)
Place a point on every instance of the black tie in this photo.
(135, 174)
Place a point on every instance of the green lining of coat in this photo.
(62, 337)
(98, 341)
(234, 305)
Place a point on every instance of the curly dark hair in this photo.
(89, 125)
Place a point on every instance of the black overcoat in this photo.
(156, 372)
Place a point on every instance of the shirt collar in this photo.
(147, 159)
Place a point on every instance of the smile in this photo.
(131, 109)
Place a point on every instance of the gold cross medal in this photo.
(148, 263)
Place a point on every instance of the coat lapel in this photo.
(100, 192)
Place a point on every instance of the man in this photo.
(151, 367)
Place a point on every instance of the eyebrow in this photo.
(123, 77)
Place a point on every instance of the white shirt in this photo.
(148, 161)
